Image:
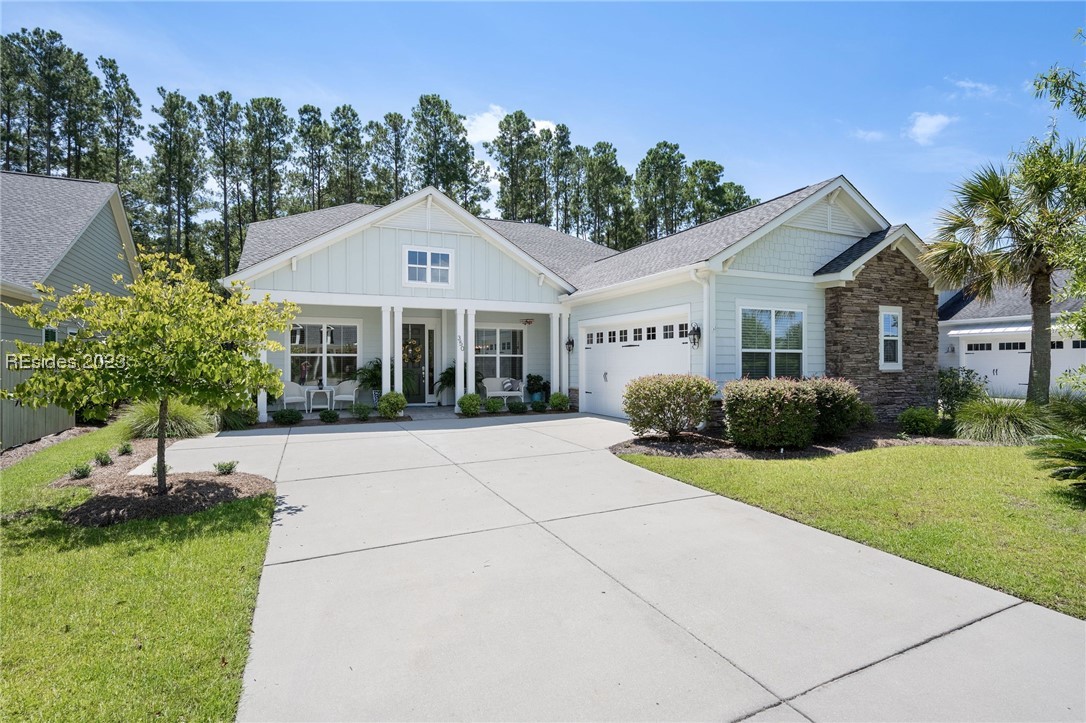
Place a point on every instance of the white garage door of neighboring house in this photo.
(1005, 360)
(616, 353)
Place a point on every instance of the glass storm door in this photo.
(419, 340)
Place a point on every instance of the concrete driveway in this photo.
(482, 570)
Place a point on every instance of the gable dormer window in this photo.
(428, 267)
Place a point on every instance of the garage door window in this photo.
(978, 346)
(500, 353)
(1012, 346)
(650, 333)
(890, 338)
(772, 343)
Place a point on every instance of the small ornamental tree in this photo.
(172, 336)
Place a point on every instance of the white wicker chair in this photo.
(345, 392)
(292, 394)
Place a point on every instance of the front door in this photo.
(419, 342)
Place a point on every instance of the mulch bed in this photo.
(695, 445)
(120, 497)
(18, 454)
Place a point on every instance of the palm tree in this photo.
(1008, 227)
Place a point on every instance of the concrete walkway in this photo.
(487, 570)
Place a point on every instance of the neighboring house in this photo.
(813, 282)
(993, 337)
(60, 232)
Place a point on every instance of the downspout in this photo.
(706, 318)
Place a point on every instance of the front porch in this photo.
(417, 350)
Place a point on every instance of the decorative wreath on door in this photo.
(412, 352)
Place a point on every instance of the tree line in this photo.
(217, 163)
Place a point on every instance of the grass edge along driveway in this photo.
(146, 619)
(986, 514)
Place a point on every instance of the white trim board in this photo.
(404, 302)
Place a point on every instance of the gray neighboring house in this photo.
(60, 232)
(993, 337)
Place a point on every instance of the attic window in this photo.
(428, 267)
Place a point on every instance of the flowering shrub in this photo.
(668, 403)
(765, 413)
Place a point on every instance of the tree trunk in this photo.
(163, 408)
(1040, 358)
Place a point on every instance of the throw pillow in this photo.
(507, 385)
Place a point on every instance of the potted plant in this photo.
(447, 380)
(534, 387)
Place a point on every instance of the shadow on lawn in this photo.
(1073, 494)
(46, 528)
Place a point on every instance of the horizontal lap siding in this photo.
(688, 292)
(730, 289)
(93, 259)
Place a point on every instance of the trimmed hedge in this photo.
(668, 403)
(766, 413)
(839, 407)
(516, 406)
(494, 405)
(391, 405)
(287, 416)
(559, 402)
(470, 405)
(921, 421)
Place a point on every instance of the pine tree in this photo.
(518, 154)
(387, 149)
(119, 127)
(708, 197)
(658, 188)
(14, 94)
(45, 54)
(221, 118)
(82, 114)
(347, 174)
(313, 138)
(268, 129)
(177, 170)
(611, 214)
(562, 172)
(441, 155)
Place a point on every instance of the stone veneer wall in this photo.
(575, 399)
(852, 334)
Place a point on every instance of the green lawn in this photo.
(983, 513)
(144, 620)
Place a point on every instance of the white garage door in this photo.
(615, 354)
(1004, 360)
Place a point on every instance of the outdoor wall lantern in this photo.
(569, 345)
(695, 335)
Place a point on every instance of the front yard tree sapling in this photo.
(170, 336)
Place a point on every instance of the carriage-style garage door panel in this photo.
(616, 353)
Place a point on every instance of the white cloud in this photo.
(541, 124)
(972, 88)
(484, 126)
(868, 136)
(924, 127)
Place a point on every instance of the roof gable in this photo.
(41, 217)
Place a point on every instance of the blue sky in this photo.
(904, 99)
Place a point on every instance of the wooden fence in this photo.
(19, 424)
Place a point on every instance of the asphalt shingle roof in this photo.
(265, 239)
(847, 257)
(1007, 301)
(563, 254)
(691, 246)
(40, 218)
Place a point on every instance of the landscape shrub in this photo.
(154, 469)
(182, 420)
(470, 405)
(93, 414)
(668, 403)
(287, 416)
(361, 411)
(1002, 421)
(125, 448)
(958, 385)
(391, 405)
(102, 459)
(329, 416)
(226, 467)
(494, 405)
(866, 416)
(235, 418)
(516, 406)
(838, 404)
(919, 421)
(539, 406)
(1063, 453)
(768, 413)
(80, 471)
(560, 402)
(1068, 410)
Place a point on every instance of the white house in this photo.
(993, 337)
(813, 282)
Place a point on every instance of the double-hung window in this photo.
(323, 352)
(772, 343)
(890, 338)
(427, 267)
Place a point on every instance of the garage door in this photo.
(1005, 361)
(615, 354)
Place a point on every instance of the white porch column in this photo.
(469, 349)
(563, 366)
(262, 395)
(397, 346)
(459, 341)
(386, 371)
(556, 353)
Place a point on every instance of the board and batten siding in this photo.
(732, 291)
(679, 294)
(372, 262)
